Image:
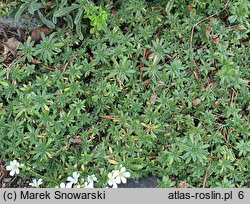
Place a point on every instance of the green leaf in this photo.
(69, 21)
(2, 72)
(4, 83)
(232, 19)
(63, 3)
(22, 8)
(34, 7)
(169, 6)
(47, 22)
(77, 22)
(63, 11)
(136, 167)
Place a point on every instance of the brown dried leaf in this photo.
(146, 82)
(210, 157)
(215, 39)
(152, 157)
(48, 67)
(196, 101)
(113, 10)
(110, 117)
(216, 104)
(34, 61)
(154, 59)
(10, 46)
(21, 35)
(148, 53)
(153, 98)
(191, 9)
(36, 33)
(196, 74)
(2, 169)
(207, 31)
(227, 5)
(211, 20)
(91, 58)
(240, 27)
(141, 65)
(75, 140)
(183, 184)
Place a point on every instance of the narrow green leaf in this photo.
(22, 8)
(4, 83)
(63, 11)
(169, 6)
(47, 22)
(34, 7)
(69, 20)
(137, 167)
(77, 22)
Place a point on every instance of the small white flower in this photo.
(91, 178)
(73, 179)
(13, 167)
(122, 175)
(68, 185)
(112, 178)
(36, 183)
(89, 185)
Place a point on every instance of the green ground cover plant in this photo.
(158, 87)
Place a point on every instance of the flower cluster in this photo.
(118, 176)
(74, 182)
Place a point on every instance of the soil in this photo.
(144, 182)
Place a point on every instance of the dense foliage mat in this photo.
(161, 87)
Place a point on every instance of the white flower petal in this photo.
(126, 174)
(69, 185)
(115, 173)
(62, 185)
(17, 171)
(89, 185)
(114, 185)
(9, 167)
(12, 172)
(123, 169)
(118, 180)
(75, 175)
(123, 179)
(70, 179)
(91, 178)
(110, 175)
(39, 181)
